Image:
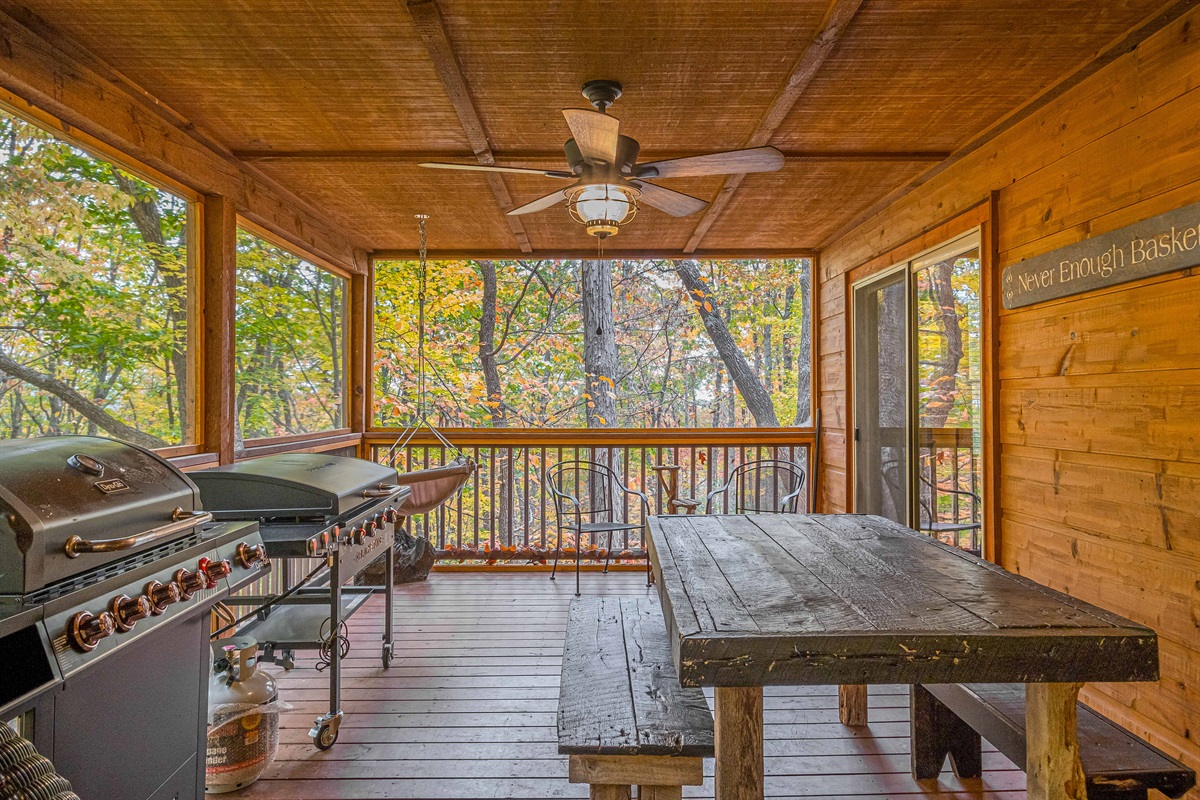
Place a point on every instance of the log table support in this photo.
(1052, 749)
(610, 791)
(739, 737)
(938, 732)
(852, 705)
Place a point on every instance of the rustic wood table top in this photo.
(786, 599)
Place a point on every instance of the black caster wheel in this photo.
(387, 656)
(325, 738)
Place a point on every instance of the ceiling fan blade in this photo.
(542, 202)
(549, 173)
(677, 204)
(730, 162)
(595, 134)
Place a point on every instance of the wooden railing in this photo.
(506, 510)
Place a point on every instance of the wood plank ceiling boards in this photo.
(334, 102)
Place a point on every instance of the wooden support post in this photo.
(660, 793)
(739, 739)
(852, 705)
(1052, 763)
(359, 372)
(938, 732)
(609, 791)
(218, 312)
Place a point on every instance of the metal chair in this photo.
(929, 519)
(767, 486)
(588, 499)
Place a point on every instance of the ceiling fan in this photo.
(608, 181)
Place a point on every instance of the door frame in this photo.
(979, 217)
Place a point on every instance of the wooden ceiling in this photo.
(338, 99)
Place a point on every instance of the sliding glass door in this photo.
(918, 394)
(881, 392)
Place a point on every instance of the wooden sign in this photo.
(1153, 246)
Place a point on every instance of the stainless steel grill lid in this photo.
(85, 489)
(291, 485)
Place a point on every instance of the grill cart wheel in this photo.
(326, 737)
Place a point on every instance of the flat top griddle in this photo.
(292, 485)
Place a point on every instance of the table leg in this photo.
(739, 739)
(852, 705)
(1052, 763)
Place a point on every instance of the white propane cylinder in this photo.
(243, 734)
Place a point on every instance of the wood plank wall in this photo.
(1099, 400)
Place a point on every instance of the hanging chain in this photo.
(421, 284)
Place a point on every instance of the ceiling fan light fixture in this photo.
(602, 208)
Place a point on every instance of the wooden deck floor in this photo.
(467, 710)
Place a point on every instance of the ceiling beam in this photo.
(428, 22)
(548, 158)
(837, 18)
(574, 254)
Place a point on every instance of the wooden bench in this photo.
(623, 718)
(948, 719)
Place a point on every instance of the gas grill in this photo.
(108, 568)
(341, 510)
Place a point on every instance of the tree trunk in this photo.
(804, 357)
(487, 346)
(599, 344)
(943, 388)
(62, 392)
(495, 398)
(757, 399)
(600, 366)
(148, 218)
(716, 413)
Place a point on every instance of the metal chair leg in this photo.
(578, 547)
(608, 552)
(557, 553)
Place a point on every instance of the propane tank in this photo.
(243, 732)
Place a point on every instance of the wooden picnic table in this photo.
(788, 599)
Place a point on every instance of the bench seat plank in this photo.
(620, 695)
(1115, 762)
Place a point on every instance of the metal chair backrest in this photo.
(588, 489)
(767, 486)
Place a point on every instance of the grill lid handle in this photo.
(181, 521)
(384, 490)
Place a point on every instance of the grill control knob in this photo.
(128, 610)
(358, 534)
(190, 583)
(85, 629)
(161, 595)
(213, 571)
(250, 554)
(391, 515)
(370, 527)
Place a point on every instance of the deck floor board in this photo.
(467, 710)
